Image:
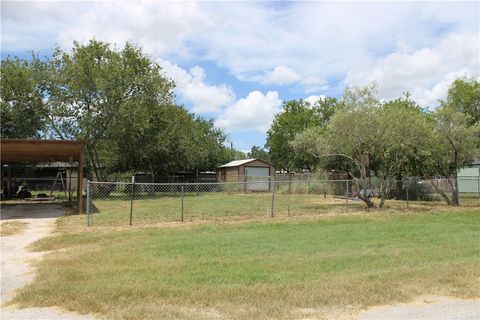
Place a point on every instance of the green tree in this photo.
(394, 138)
(351, 134)
(209, 145)
(464, 96)
(89, 88)
(402, 138)
(258, 153)
(22, 111)
(455, 138)
(167, 139)
(456, 143)
(115, 99)
(231, 154)
(297, 116)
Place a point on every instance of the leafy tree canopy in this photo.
(115, 99)
(296, 117)
(22, 111)
(231, 154)
(258, 153)
(464, 96)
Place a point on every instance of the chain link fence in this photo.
(122, 203)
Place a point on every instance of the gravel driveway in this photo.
(429, 308)
(16, 270)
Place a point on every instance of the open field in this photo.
(282, 269)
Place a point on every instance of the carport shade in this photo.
(15, 150)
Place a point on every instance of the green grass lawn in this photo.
(258, 270)
(157, 209)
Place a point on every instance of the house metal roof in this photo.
(237, 163)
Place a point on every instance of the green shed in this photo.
(469, 178)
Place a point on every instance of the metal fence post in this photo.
(290, 183)
(408, 183)
(457, 191)
(348, 192)
(181, 214)
(88, 204)
(131, 199)
(273, 198)
(478, 187)
(289, 199)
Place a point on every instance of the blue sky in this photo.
(237, 62)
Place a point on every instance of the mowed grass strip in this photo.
(259, 269)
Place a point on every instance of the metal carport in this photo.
(34, 150)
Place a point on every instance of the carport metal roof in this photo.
(13, 150)
(34, 150)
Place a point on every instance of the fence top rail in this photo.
(216, 183)
(250, 182)
(406, 180)
(108, 182)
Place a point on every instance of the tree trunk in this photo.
(92, 161)
(100, 169)
(358, 191)
(453, 186)
(399, 187)
(368, 202)
(385, 187)
(440, 192)
(151, 188)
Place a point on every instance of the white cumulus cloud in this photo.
(253, 113)
(160, 27)
(314, 99)
(310, 47)
(425, 72)
(191, 88)
(281, 75)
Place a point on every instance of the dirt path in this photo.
(427, 308)
(16, 270)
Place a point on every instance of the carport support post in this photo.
(131, 199)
